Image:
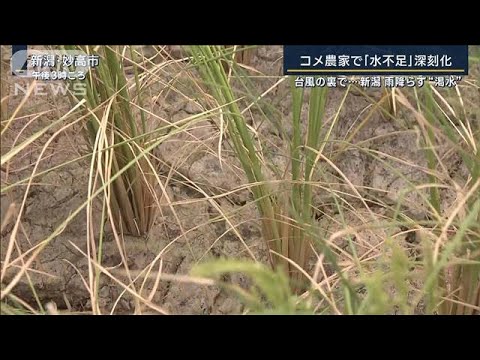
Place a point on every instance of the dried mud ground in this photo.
(57, 274)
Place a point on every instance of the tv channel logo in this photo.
(19, 60)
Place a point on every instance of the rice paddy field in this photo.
(200, 180)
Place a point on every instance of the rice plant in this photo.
(284, 216)
(109, 95)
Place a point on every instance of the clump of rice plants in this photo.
(284, 216)
(118, 119)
